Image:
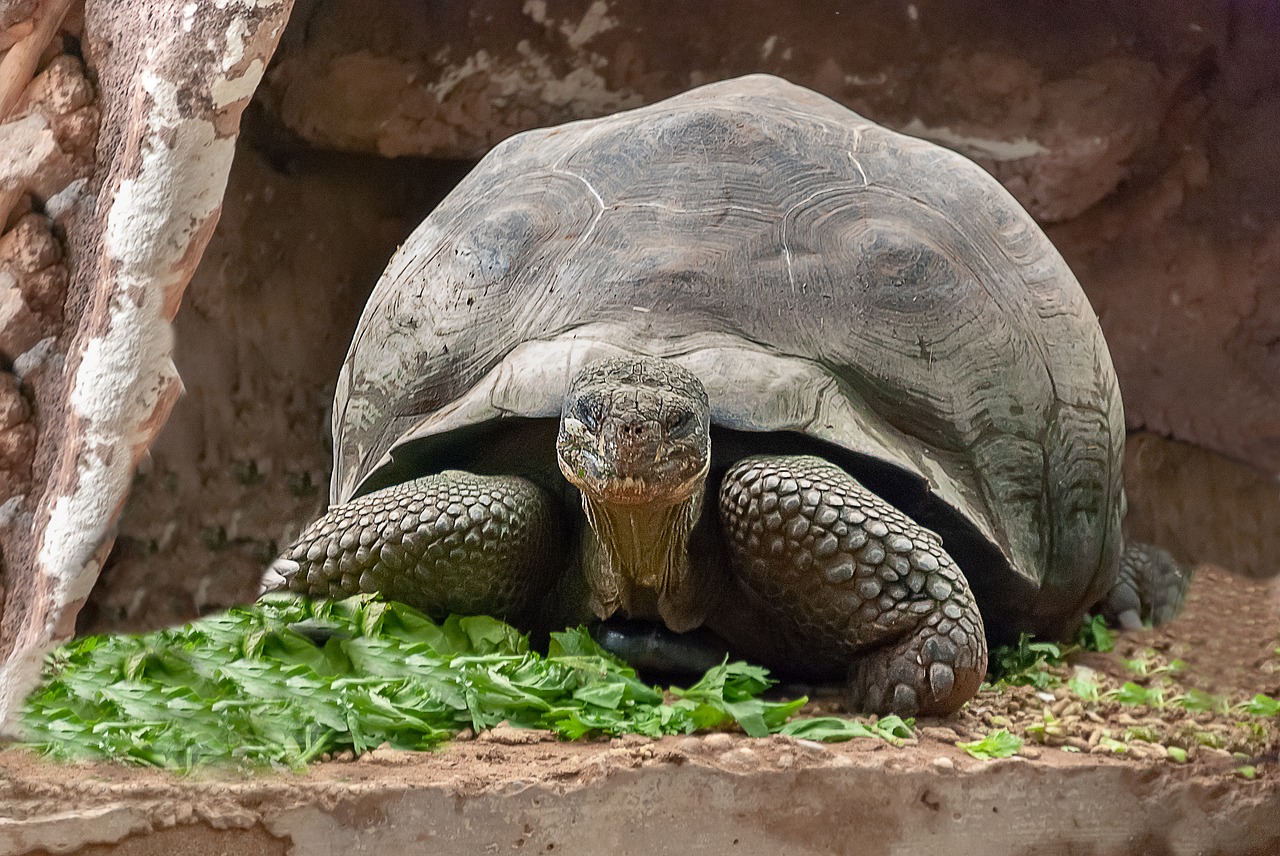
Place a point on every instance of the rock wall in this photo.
(48, 130)
(1140, 133)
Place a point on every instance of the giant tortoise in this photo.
(863, 349)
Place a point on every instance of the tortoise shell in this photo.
(827, 279)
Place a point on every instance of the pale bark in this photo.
(173, 78)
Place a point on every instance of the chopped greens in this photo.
(286, 681)
(1262, 705)
(997, 744)
(833, 729)
(1026, 662)
(1094, 635)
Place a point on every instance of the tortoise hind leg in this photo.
(847, 584)
(1151, 588)
(448, 543)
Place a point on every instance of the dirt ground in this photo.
(1106, 762)
(1226, 643)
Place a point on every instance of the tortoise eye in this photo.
(680, 423)
(586, 414)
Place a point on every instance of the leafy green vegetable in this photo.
(1145, 733)
(835, 729)
(1147, 664)
(1116, 746)
(1262, 705)
(1085, 685)
(997, 744)
(1199, 700)
(1026, 662)
(1135, 694)
(1208, 738)
(1176, 754)
(286, 680)
(1048, 727)
(1094, 635)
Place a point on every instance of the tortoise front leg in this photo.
(448, 543)
(842, 577)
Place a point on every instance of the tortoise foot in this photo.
(924, 672)
(847, 583)
(1151, 588)
(448, 543)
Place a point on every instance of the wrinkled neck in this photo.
(636, 559)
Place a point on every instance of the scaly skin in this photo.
(448, 543)
(635, 440)
(850, 580)
(1150, 588)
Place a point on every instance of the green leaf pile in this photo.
(286, 680)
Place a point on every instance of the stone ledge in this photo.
(711, 795)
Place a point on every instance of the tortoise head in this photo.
(635, 440)
(635, 431)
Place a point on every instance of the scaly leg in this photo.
(1151, 588)
(842, 577)
(448, 543)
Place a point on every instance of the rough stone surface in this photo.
(660, 797)
(48, 140)
(1195, 503)
(33, 286)
(17, 439)
(48, 129)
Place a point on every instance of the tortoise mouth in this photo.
(671, 475)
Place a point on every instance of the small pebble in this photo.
(812, 746)
(718, 742)
(940, 733)
(741, 758)
(507, 736)
(689, 745)
(944, 763)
